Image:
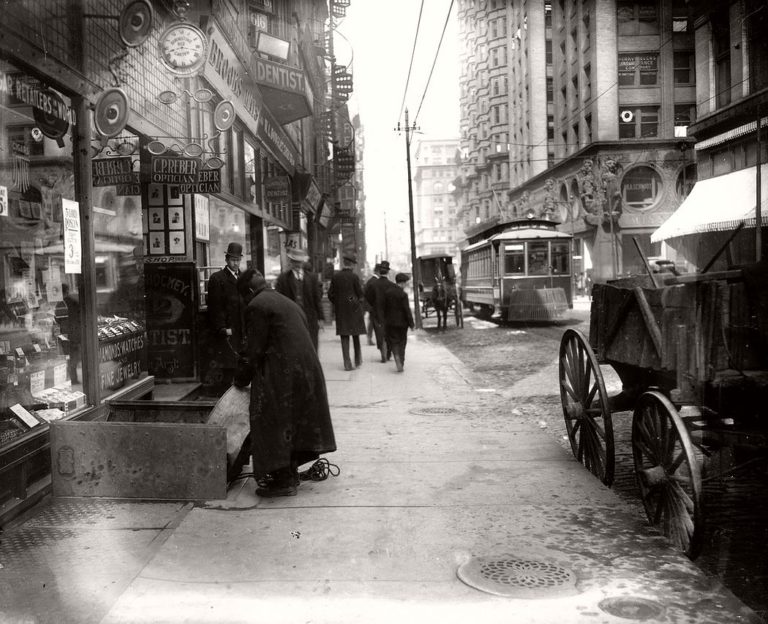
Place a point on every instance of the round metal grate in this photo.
(510, 576)
(432, 411)
(631, 607)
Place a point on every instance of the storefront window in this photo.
(640, 187)
(120, 291)
(40, 288)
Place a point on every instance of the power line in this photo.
(434, 62)
(413, 53)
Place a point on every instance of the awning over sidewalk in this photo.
(718, 204)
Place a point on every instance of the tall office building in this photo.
(576, 111)
(435, 209)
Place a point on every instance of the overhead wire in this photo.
(434, 61)
(413, 54)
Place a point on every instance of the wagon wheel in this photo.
(585, 406)
(668, 475)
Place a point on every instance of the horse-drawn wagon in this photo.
(437, 288)
(690, 351)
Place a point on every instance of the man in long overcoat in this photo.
(377, 302)
(289, 413)
(225, 314)
(304, 288)
(397, 318)
(346, 295)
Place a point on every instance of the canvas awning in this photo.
(718, 204)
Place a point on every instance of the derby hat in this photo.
(384, 266)
(402, 277)
(351, 258)
(235, 250)
(297, 255)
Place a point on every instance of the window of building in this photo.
(685, 115)
(757, 26)
(640, 188)
(721, 43)
(680, 22)
(638, 69)
(684, 67)
(640, 122)
(587, 81)
(637, 17)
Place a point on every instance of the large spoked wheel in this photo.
(668, 475)
(585, 406)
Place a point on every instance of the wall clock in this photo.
(183, 48)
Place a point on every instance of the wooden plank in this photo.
(138, 460)
(731, 275)
(650, 321)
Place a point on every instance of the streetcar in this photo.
(518, 271)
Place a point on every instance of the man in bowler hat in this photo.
(375, 297)
(225, 315)
(304, 288)
(346, 295)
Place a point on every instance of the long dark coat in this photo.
(311, 293)
(346, 295)
(290, 418)
(225, 311)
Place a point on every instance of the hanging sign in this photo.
(113, 171)
(209, 181)
(277, 189)
(175, 170)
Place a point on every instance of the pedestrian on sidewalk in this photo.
(289, 414)
(346, 295)
(369, 326)
(303, 287)
(397, 318)
(225, 316)
(375, 297)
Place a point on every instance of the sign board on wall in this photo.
(202, 218)
(171, 307)
(277, 189)
(167, 226)
(72, 242)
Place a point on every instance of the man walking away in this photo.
(377, 299)
(304, 288)
(397, 318)
(346, 295)
(369, 328)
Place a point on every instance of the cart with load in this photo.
(690, 351)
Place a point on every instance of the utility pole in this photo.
(414, 263)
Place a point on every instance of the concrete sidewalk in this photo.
(435, 481)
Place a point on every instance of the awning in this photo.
(718, 204)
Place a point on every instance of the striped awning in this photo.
(718, 204)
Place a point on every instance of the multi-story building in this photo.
(138, 140)
(435, 211)
(577, 111)
(731, 152)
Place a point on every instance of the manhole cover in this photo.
(432, 411)
(631, 608)
(514, 577)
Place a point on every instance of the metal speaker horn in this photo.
(224, 115)
(135, 23)
(111, 114)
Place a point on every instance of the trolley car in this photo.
(520, 271)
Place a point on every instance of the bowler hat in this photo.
(351, 258)
(402, 277)
(299, 255)
(235, 250)
(376, 268)
(384, 266)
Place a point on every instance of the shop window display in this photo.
(40, 285)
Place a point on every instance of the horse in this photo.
(443, 294)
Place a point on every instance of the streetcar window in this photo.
(560, 258)
(538, 258)
(514, 259)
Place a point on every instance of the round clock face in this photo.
(183, 48)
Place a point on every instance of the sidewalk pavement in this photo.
(435, 483)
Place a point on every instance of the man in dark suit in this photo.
(304, 288)
(397, 318)
(377, 303)
(370, 326)
(225, 315)
(346, 295)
